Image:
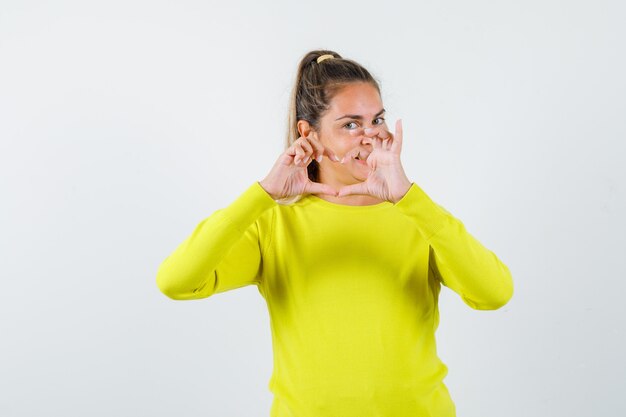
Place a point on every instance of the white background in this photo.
(123, 124)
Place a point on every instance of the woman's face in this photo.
(353, 108)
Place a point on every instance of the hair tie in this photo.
(323, 57)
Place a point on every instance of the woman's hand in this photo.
(386, 179)
(289, 175)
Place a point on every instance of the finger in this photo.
(299, 153)
(377, 131)
(304, 161)
(294, 149)
(326, 150)
(319, 188)
(332, 155)
(396, 144)
(350, 154)
(291, 153)
(308, 149)
(358, 188)
(376, 143)
(318, 148)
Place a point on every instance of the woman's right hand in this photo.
(289, 175)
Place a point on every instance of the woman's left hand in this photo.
(386, 179)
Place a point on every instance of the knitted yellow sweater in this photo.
(352, 294)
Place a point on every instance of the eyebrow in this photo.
(356, 116)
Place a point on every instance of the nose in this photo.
(367, 135)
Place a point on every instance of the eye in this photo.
(347, 125)
(382, 120)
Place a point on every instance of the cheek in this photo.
(345, 137)
(337, 141)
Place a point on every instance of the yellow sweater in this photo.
(352, 294)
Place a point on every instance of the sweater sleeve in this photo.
(456, 258)
(223, 252)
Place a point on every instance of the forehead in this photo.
(356, 98)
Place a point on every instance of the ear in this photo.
(304, 128)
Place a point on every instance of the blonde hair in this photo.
(316, 83)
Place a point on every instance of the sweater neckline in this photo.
(318, 201)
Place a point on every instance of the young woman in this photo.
(348, 253)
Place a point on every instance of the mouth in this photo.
(361, 158)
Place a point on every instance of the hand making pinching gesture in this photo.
(386, 179)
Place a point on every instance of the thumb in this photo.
(358, 188)
(319, 188)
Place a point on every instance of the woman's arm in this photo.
(459, 260)
(222, 253)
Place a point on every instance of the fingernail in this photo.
(320, 158)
